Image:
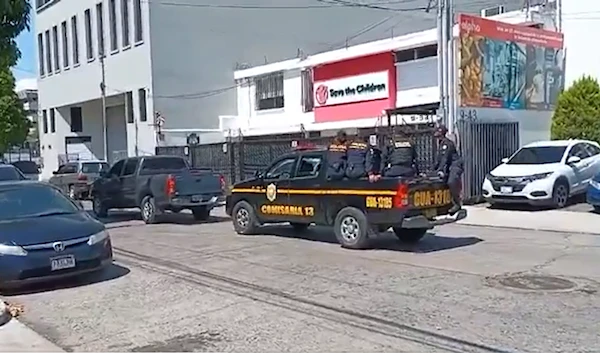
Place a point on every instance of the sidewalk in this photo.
(557, 221)
(16, 337)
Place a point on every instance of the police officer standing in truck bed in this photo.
(449, 165)
(337, 157)
(399, 158)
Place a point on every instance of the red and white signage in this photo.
(352, 89)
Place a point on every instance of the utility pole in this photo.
(103, 93)
(441, 6)
(446, 59)
(451, 69)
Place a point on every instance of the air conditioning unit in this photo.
(492, 11)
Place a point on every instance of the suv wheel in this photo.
(560, 194)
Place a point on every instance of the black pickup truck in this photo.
(295, 189)
(156, 184)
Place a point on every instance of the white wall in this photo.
(580, 25)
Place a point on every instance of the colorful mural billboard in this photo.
(508, 66)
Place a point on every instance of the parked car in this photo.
(29, 168)
(75, 178)
(157, 184)
(45, 235)
(544, 173)
(593, 192)
(10, 172)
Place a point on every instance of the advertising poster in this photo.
(508, 66)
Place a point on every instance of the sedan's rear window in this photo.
(25, 201)
(27, 167)
(87, 168)
(10, 173)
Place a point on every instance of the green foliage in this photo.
(14, 18)
(577, 113)
(14, 126)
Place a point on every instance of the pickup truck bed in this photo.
(356, 209)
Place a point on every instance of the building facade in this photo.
(174, 60)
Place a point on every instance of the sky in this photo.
(26, 67)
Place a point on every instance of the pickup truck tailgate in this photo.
(198, 186)
(430, 193)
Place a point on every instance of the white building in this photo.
(396, 72)
(176, 58)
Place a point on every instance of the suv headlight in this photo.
(98, 237)
(12, 250)
(538, 176)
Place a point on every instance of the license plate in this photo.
(430, 213)
(61, 263)
(197, 198)
(431, 198)
(506, 189)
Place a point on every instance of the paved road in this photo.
(200, 287)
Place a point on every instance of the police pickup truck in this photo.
(295, 189)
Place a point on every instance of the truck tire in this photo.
(299, 227)
(149, 210)
(201, 213)
(98, 207)
(244, 218)
(410, 235)
(352, 228)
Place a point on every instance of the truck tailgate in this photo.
(198, 185)
(431, 195)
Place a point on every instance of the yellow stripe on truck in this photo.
(346, 192)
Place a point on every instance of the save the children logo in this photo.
(322, 94)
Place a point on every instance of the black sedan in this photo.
(44, 235)
(10, 172)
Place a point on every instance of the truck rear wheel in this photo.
(244, 218)
(410, 235)
(201, 213)
(149, 210)
(351, 228)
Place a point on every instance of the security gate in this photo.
(482, 146)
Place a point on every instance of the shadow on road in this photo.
(169, 217)
(110, 273)
(384, 241)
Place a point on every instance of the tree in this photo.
(14, 126)
(14, 19)
(577, 113)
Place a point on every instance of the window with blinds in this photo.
(269, 91)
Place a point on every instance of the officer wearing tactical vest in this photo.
(357, 154)
(399, 158)
(337, 157)
(449, 166)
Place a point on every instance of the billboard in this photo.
(508, 66)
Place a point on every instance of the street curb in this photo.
(5, 315)
(536, 229)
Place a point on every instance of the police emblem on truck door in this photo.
(271, 192)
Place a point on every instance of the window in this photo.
(27, 167)
(52, 120)
(579, 151)
(88, 35)
(10, 173)
(116, 168)
(41, 58)
(100, 29)
(281, 169)
(309, 167)
(48, 53)
(592, 149)
(76, 119)
(27, 201)
(45, 121)
(137, 14)
(142, 98)
(125, 23)
(538, 155)
(75, 39)
(269, 91)
(65, 44)
(130, 167)
(308, 98)
(55, 49)
(112, 22)
(70, 168)
(164, 163)
(88, 168)
(428, 51)
(129, 107)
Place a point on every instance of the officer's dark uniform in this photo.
(449, 165)
(356, 164)
(374, 161)
(337, 158)
(399, 159)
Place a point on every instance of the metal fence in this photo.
(239, 159)
(483, 145)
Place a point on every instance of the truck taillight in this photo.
(170, 187)
(82, 177)
(401, 198)
(222, 181)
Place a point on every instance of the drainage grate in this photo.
(536, 283)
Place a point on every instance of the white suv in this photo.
(543, 173)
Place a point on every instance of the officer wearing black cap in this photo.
(337, 157)
(399, 158)
(449, 165)
(356, 165)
